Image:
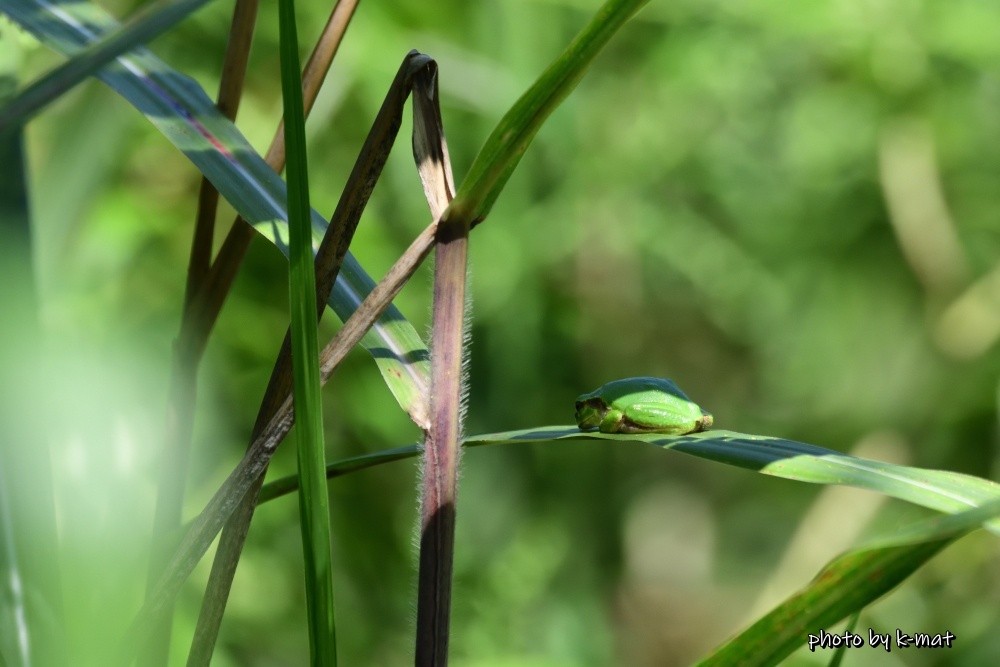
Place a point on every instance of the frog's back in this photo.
(641, 390)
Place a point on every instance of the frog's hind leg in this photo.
(656, 418)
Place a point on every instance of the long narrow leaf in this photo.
(845, 586)
(151, 22)
(940, 490)
(314, 507)
(180, 109)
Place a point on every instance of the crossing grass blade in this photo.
(314, 508)
(150, 23)
(182, 111)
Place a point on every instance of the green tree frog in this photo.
(641, 405)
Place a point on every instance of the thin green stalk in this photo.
(313, 500)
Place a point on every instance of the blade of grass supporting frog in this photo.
(935, 489)
(939, 490)
(414, 69)
(178, 107)
(314, 509)
(845, 586)
(179, 425)
(849, 584)
(31, 603)
(290, 484)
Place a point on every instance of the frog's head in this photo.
(590, 412)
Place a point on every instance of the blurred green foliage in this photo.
(788, 208)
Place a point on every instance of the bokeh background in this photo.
(791, 209)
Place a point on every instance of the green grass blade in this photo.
(936, 489)
(313, 500)
(150, 23)
(939, 490)
(182, 111)
(503, 149)
(845, 586)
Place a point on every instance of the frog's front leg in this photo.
(612, 421)
(660, 418)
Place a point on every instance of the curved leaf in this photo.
(845, 586)
(182, 111)
(940, 490)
